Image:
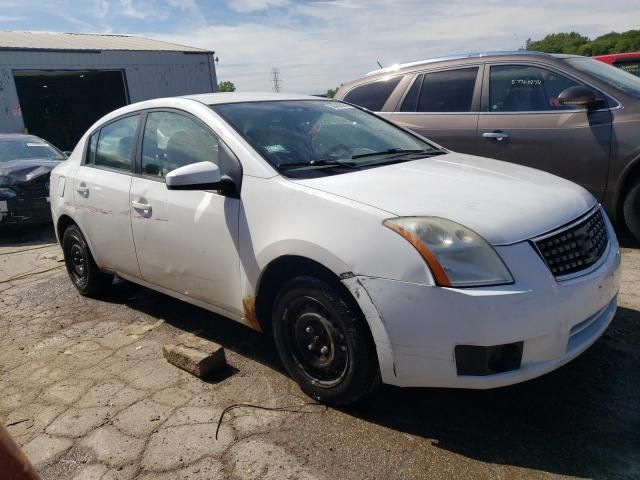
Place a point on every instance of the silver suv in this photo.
(569, 115)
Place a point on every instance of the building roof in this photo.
(87, 42)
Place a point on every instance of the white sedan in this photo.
(370, 253)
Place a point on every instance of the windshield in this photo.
(628, 83)
(26, 149)
(326, 136)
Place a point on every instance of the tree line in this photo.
(577, 44)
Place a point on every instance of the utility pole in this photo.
(275, 79)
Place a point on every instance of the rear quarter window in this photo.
(447, 91)
(374, 95)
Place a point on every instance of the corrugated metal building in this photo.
(55, 85)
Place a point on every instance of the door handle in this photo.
(146, 208)
(495, 135)
(83, 190)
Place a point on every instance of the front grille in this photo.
(37, 188)
(576, 247)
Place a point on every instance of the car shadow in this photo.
(581, 420)
(231, 335)
(628, 242)
(27, 235)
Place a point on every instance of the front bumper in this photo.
(417, 327)
(24, 210)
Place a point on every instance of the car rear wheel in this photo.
(631, 209)
(323, 342)
(83, 271)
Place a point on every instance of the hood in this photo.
(24, 171)
(503, 202)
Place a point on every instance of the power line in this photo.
(275, 79)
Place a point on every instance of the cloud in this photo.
(318, 45)
(11, 18)
(248, 6)
(129, 10)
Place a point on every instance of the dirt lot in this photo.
(86, 392)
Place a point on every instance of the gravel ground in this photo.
(86, 392)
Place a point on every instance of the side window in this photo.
(372, 95)
(172, 140)
(520, 88)
(116, 144)
(447, 91)
(410, 102)
(91, 151)
(632, 67)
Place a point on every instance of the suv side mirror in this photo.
(578, 96)
(197, 176)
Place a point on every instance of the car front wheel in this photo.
(631, 210)
(82, 269)
(323, 342)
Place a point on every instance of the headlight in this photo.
(456, 255)
(7, 193)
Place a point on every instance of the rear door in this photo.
(523, 122)
(101, 194)
(186, 240)
(443, 106)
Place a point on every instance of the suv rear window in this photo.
(374, 95)
(445, 91)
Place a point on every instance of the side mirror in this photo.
(579, 96)
(197, 176)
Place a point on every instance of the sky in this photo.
(319, 44)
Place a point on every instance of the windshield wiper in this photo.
(316, 163)
(389, 152)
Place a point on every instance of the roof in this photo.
(204, 99)
(89, 42)
(398, 66)
(237, 97)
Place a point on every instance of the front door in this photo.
(101, 195)
(442, 105)
(524, 123)
(185, 240)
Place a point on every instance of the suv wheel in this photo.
(323, 342)
(631, 209)
(82, 269)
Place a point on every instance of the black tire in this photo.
(82, 269)
(631, 210)
(324, 341)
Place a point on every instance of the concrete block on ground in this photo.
(195, 355)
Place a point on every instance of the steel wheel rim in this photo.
(77, 263)
(316, 342)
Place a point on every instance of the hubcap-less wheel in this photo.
(82, 269)
(316, 342)
(78, 260)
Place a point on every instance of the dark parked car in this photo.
(26, 162)
(629, 62)
(569, 115)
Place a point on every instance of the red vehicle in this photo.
(629, 62)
